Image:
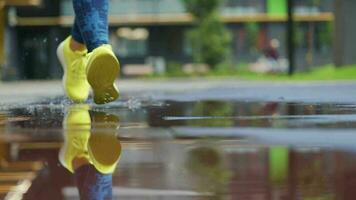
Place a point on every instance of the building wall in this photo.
(2, 36)
(345, 31)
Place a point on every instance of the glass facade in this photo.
(243, 7)
(132, 7)
(230, 7)
(313, 6)
(278, 7)
(2, 34)
(130, 42)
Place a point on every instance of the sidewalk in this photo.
(196, 89)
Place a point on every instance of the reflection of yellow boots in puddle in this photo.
(91, 151)
(76, 125)
(84, 145)
(104, 148)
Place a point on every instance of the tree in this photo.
(209, 38)
(201, 8)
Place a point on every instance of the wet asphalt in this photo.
(196, 139)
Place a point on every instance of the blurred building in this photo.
(153, 33)
(345, 30)
(3, 5)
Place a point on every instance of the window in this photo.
(243, 7)
(130, 42)
(313, 6)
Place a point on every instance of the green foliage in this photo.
(227, 67)
(209, 38)
(207, 167)
(241, 71)
(201, 8)
(326, 34)
(298, 35)
(174, 69)
(327, 72)
(215, 109)
(210, 41)
(315, 3)
(252, 33)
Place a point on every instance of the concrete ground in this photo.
(197, 89)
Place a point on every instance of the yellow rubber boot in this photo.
(76, 132)
(74, 65)
(104, 147)
(102, 70)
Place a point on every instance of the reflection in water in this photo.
(207, 167)
(90, 153)
(210, 113)
(193, 161)
(278, 164)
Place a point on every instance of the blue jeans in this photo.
(93, 185)
(91, 22)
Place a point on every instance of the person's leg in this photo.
(72, 56)
(77, 42)
(93, 185)
(103, 66)
(92, 22)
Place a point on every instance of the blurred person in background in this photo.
(270, 61)
(271, 52)
(86, 56)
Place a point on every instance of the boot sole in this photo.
(102, 72)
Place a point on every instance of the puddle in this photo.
(139, 149)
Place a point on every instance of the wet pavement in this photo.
(195, 147)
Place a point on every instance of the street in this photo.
(193, 139)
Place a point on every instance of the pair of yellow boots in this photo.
(82, 70)
(98, 145)
(97, 69)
